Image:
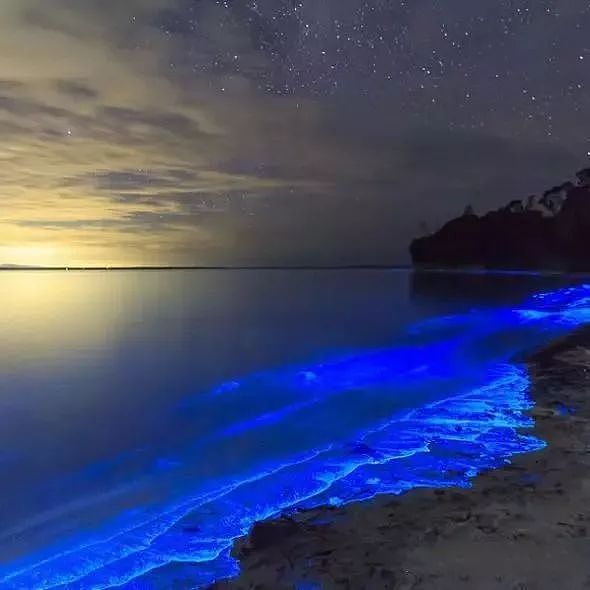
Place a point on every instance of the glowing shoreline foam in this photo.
(184, 538)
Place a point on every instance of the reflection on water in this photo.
(148, 418)
(44, 315)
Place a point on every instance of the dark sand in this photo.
(525, 526)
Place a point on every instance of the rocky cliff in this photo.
(551, 232)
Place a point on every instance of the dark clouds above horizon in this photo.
(277, 131)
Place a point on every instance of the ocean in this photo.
(149, 418)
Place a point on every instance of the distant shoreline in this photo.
(220, 267)
(392, 267)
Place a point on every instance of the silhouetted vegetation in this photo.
(550, 232)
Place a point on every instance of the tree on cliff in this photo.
(515, 206)
(552, 233)
(583, 177)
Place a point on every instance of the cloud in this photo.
(76, 88)
(96, 135)
(130, 136)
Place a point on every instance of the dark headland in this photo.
(550, 232)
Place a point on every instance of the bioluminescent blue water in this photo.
(151, 492)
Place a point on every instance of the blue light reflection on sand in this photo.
(468, 413)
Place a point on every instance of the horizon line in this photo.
(15, 267)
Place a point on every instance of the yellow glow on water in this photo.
(46, 313)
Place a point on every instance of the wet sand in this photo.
(525, 526)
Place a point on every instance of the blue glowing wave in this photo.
(433, 411)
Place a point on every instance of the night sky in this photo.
(277, 131)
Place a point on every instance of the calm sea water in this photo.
(148, 418)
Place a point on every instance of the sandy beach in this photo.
(524, 526)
